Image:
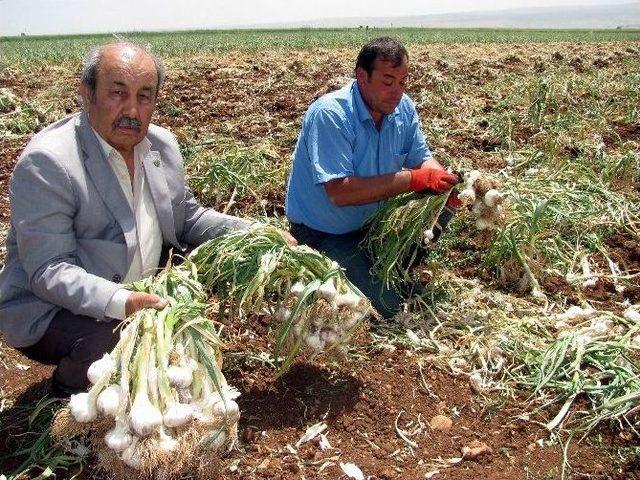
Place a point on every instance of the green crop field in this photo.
(25, 50)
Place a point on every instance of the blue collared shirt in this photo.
(339, 139)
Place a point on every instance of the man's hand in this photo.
(289, 238)
(453, 202)
(432, 180)
(139, 300)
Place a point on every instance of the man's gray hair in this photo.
(89, 73)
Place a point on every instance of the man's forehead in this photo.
(127, 60)
(123, 71)
(390, 67)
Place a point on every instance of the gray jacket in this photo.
(72, 232)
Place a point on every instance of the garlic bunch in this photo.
(161, 389)
(487, 202)
(335, 310)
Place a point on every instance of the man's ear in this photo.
(362, 75)
(83, 90)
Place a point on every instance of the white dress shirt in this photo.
(148, 234)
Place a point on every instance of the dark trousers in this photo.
(73, 342)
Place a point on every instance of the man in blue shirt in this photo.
(359, 146)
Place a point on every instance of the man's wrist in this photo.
(116, 308)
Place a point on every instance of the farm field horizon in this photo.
(491, 345)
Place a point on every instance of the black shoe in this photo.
(62, 391)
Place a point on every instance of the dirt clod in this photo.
(441, 423)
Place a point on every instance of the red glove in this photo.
(432, 180)
(453, 201)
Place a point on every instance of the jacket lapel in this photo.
(106, 183)
(154, 174)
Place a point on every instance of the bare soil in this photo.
(380, 391)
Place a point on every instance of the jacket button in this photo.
(116, 278)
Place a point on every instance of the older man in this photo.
(94, 199)
(359, 146)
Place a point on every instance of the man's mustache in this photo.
(127, 122)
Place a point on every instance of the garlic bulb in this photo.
(217, 440)
(144, 417)
(314, 342)
(467, 196)
(83, 407)
(632, 314)
(282, 314)
(179, 377)
(131, 456)
(118, 438)
(352, 301)
(328, 335)
(101, 367)
(327, 290)
(178, 414)
(493, 198)
(297, 329)
(109, 400)
(228, 410)
(297, 288)
(351, 321)
(478, 207)
(428, 235)
(167, 443)
(483, 224)
(472, 176)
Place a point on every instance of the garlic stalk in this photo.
(144, 417)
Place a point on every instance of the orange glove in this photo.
(432, 180)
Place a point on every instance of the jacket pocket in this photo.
(103, 257)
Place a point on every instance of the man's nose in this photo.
(130, 107)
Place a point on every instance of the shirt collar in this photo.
(143, 147)
(361, 107)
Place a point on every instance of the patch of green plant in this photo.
(43, 458)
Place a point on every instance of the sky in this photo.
(44, 17)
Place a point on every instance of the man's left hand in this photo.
(289, 238)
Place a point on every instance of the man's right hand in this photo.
(139, 300)
(432, 180)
